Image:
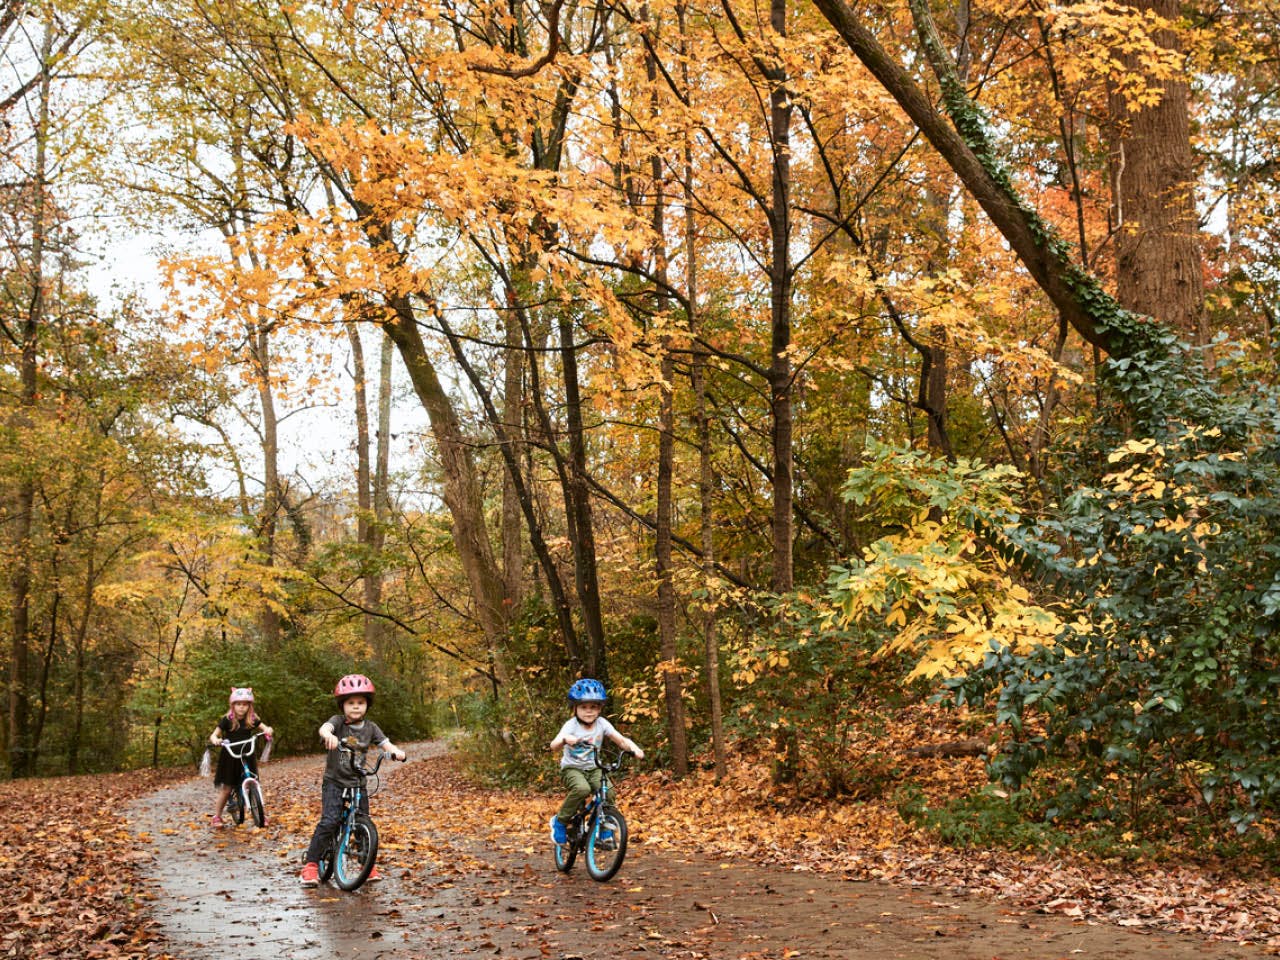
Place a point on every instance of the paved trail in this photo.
(234, 894)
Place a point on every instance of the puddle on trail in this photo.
(235, 892)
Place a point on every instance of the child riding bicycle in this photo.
(238, 724)
(581, 736)
(354, 695)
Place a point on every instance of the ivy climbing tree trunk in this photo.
(964, 145)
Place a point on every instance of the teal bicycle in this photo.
(598, 830)
(350, 858)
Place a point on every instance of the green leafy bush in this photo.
(1160, 694)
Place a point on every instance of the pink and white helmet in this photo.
(352, 684)
(241, 695)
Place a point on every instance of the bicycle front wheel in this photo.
(235, 806)
(356, 853)
(606, 844)
(255, 803)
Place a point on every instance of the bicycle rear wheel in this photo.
(606, 844)
(357, 851)
(255, 803)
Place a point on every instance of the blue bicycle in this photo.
(248, 795)
(598, 829)
(350, 858)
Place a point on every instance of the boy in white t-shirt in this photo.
(581, 735)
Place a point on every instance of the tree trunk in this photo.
(780, 277)
(672, 674)
(268, 522)
(579, 502)
(513, 416)
(1159, 271)
(706, 470)
(381, 489)
(19, 745)
(364, 492)
(461, 492)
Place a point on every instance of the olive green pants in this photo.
(581, 784)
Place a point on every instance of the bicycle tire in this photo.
(356, 854)
(235, 806)
(326, 861)
(255, 803)
(604, 857)
(565, 853)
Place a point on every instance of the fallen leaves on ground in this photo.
(740, 819)
(69, 866)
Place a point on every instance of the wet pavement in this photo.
(455, 888)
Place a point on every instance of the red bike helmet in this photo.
(352, 684)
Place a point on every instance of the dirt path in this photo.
(457, 888)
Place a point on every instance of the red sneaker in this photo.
(216, 822)
(310, 876)
(374, 876)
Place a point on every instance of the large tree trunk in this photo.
(780, 370)
(524, 491)
(461, 492)
(780, 280)
(1158, 261)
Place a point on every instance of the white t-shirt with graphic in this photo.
(590, 738)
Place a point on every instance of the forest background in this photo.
(791, 368)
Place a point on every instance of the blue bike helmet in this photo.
(585, 690)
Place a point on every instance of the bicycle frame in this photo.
(352, 818)
(242, 750)
(586, 831)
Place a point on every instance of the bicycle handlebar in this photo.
(240, 749)
(610, 766)
(359, 767)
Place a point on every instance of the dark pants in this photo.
(330, 817)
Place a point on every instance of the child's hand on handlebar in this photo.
(638, 753)
(398, 754)
(330, 741)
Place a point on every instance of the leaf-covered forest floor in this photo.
(714, 872)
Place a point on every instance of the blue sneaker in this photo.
(604, 838)
(558, 832)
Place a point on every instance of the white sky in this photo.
(317, 443)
